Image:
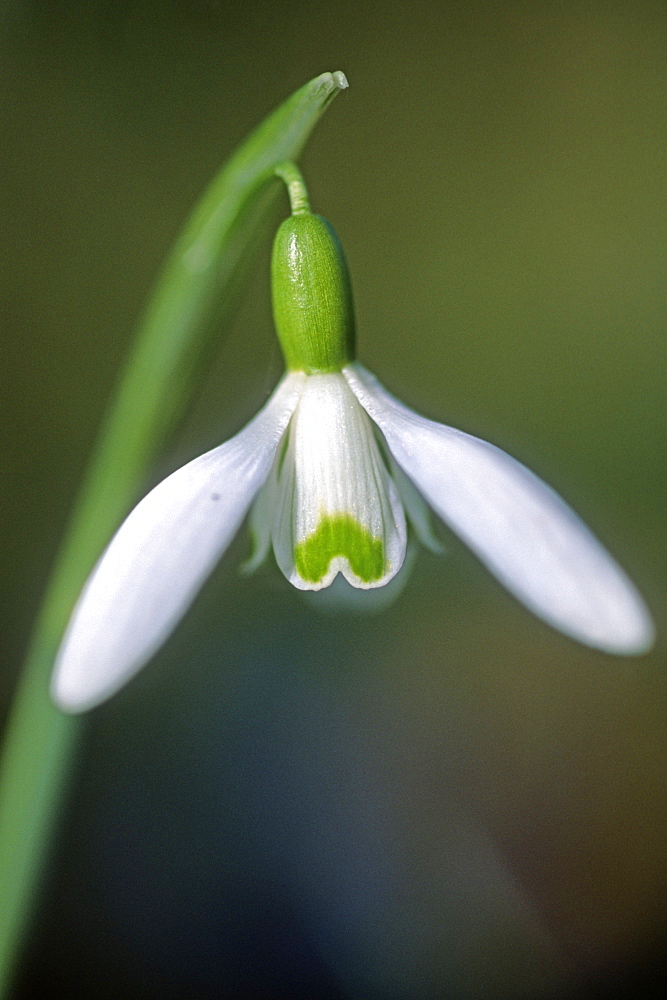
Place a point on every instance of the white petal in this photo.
(416, 509)
(259, 525)
(343, 598)
(160, 557)
(533, 542)
(332, 477)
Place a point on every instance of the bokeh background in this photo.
(446, 799)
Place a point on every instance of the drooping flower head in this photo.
(335, 472)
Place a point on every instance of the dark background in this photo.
(447, 799)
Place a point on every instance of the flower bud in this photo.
(312, 296)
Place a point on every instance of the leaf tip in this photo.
(330, 83)
(340, 80)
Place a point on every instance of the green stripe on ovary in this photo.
(340, 535)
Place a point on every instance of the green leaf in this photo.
(198, 283)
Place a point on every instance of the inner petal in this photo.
(340, 536)
(338, 509)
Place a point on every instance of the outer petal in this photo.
(160, 557)
(533, 542)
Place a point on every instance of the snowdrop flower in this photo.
(335, 470)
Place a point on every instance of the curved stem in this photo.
(296, 187)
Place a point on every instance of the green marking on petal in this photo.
(340, 535)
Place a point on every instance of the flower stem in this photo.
(296, 187)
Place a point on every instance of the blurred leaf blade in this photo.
(205, 268)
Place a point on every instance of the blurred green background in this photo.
(448, 798)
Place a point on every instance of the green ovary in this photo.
(340, 535)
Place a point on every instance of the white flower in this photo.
(331, 462)
(337, 468)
